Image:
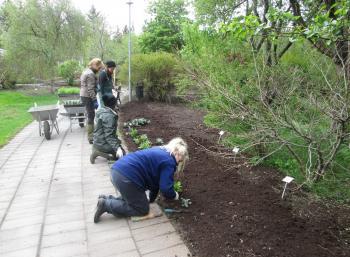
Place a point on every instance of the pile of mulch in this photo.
(236, 209)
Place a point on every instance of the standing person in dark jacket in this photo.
(151, 169)
(106, 143)
(88, 81)
(105, 79)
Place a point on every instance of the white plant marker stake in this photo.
(235, 150)
(286, 180)
(35, 105)
(221, 133)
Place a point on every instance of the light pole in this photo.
(129, 3)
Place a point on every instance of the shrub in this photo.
(293, 115)
(157, 71)
(68, 69)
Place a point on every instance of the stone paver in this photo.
(48, 195)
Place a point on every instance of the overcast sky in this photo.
(117, 12)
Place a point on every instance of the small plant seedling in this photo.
(145, 145)
(72, 102)
(68, 90)
(159, 141)
(185, 202)
(137, 122)
(178, 186)
(143, 137)
(133, 133)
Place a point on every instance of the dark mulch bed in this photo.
(237, 210)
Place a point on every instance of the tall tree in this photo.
(164, 30)
(41, 34)
(100, 38)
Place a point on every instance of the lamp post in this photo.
(129, 3)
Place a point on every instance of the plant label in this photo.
(287, 179)
(235, 150)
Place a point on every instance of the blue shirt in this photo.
(152, 169)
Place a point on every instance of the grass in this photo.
(13, 111)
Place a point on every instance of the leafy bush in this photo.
(68, 90)
(292, 115)
(68, 70)
(157, 71)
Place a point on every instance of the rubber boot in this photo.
(96, 153)
(90, 133)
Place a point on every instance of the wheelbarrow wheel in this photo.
(81, 120)
(47, 130)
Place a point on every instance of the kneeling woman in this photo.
(151, 169)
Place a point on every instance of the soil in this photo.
(236, 209)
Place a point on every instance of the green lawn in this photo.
(13, 110)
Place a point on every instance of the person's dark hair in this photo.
(110, 64)
(109, 101)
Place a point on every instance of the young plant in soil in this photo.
(141, 141)
(75, 102)
(133, 133)
(144, 142)
(159, 141)
(178, 186)
(136, 123)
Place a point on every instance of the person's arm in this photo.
(101, 81)
(91, 86)
(109, 125)
(166, 182)
(153, 195)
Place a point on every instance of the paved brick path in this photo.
(48, 194)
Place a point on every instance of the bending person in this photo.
(106, 143)
(151, 169)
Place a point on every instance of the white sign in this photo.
(235, 150)
(287, 179)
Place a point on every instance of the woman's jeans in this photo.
(133, 200)
(90, 110)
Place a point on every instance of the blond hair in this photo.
(97, 62)
(177, 146)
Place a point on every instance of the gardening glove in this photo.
(177, 196)
(120, 152)
(95, 104)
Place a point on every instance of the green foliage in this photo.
(163, 31)
(68, 90)
(68, 70)
(133, 133)
(247, 98)
(157, 71)
(137, 122)
(145, 144)
(13, 111)
(141, 141)
(178, 186)
(41, 33)
(212, 12)
(72, 102)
